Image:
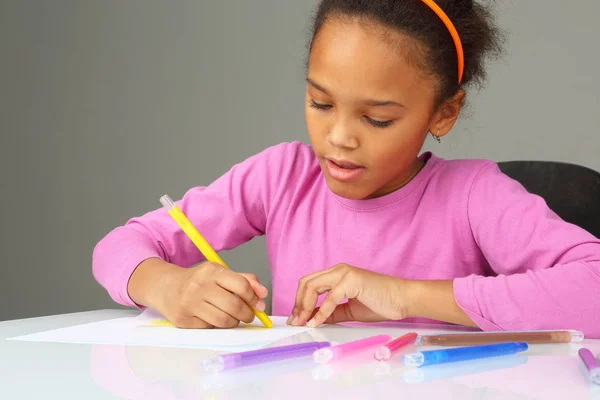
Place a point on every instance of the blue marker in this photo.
(432, 357)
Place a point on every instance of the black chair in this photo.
(571, 191)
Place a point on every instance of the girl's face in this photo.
(368, 109)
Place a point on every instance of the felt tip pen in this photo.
(208, 252)
(432, 357)
(591, 364)
(386, 351)
(261, 356)
(477, 338)
(323, 356)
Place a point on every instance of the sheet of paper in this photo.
(141, 331)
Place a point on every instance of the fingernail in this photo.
(264, 288)
(260, 306)
(312, 323)
(294, 320)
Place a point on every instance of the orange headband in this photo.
(453, 33)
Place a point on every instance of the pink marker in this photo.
(387, 350)
(323, 356)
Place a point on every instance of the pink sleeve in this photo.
(548, 270)
(229, 212)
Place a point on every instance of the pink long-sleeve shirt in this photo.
(515, 264)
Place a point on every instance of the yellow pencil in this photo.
(202, 245)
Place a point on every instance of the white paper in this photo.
(139, 331)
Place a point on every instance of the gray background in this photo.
(106, 105)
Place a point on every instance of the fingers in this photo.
(249, 275)
(300, 293)
(229, 304)
(190, 322)
(311, 288)
(211, 305)
(259, 289)
(237, 284)
(216, 317)
(196, 311)
(213, 296)
(335, 296)
(342, 313)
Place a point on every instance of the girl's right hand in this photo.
(206, 296)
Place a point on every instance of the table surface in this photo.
(57, 370)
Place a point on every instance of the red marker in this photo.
(386, 351)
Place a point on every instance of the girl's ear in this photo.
(446, 114)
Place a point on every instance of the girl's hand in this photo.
(210, 296)
(201, 297)
(371, 297)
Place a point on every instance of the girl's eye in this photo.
(379, 124)
(374, 122)
(320, 106)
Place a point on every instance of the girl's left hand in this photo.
(371, 297)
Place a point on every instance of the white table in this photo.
(30, 370)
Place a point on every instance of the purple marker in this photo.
(591, 365)
(271, 354)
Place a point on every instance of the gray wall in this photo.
(106, 105)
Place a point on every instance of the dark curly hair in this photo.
(436, 54)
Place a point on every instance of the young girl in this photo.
(361, 215)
